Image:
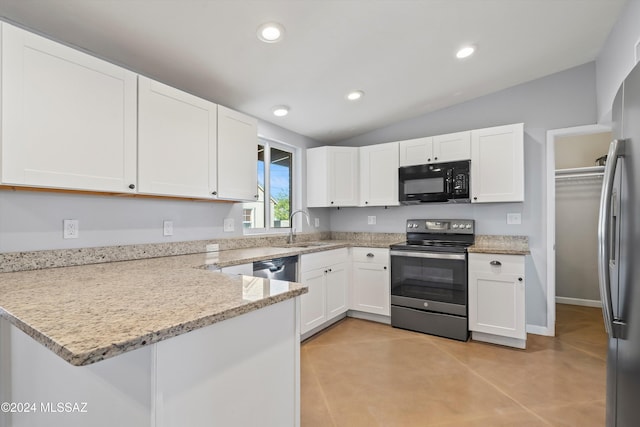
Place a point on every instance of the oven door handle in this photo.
(430, 255)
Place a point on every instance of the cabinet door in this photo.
(452, 147)
(313, 304)
(497, 297)
(416, 151)
(497, 164)
(370, 288)
(68, 119)
(343, 176)
(176, 141)
(337, 285)
(237, 155)
(379, 174)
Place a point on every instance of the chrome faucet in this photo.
(293, 230)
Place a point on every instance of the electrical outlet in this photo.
(371, 220)
(317, 222)
(167, 228)
(70, 228)
(229, 224)
(514, 218)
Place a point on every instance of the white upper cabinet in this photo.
(416, 151)
(68, 119)
(332, 176)
(452, 147)
(436, 149)
(237, 155)
(497, 164)
(176, 142)
(379, 174)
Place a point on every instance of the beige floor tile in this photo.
(588, 414)
(364, 373)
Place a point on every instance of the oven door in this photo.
(432, 281)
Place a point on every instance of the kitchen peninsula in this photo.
(156, 342)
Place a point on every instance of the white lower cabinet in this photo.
(326, 275)
(370, 286)
(497, 299)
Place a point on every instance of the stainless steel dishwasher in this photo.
(285, 268)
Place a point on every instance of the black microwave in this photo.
(438, 182)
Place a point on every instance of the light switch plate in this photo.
(514, 218)
(229, 224)
(371, 220)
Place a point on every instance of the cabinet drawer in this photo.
(370, 255)
(508, 264)
(323, 259)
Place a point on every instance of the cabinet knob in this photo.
(331, 202)
(495, 263)
(132, 186)
(370, 255)
(255, 196)
(326, 271)
(330, 270)
(429, 159)
(475, 198)
(435, 158)
(519, 279)
(366, 203)
(214, 193)
(385, 267)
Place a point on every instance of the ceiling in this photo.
(401, 53)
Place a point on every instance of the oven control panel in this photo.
(453, 226)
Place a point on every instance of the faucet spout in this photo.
(292, 231)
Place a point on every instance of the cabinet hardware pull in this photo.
(331, 202)
(255, 196)
(495, 263)
(366, 203)
(370, 255)
(435, 158)
(385, 267)
(214, 193)
(519, 279)
(132, 186)
(475, 198)
(330, 270)
(428, 160)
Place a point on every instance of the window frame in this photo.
(268, 144)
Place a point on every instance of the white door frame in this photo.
(551, 211)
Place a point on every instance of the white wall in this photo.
(33, 220)
(561, 100)
(581, 150)
(617, 58)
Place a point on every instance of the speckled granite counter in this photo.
(508, 245)
(89, 313)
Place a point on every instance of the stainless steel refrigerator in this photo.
(619, 257)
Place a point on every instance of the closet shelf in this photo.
(586, 172)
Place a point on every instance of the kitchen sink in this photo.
(305, 244)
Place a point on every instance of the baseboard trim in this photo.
(369, 316)
(500, 340)
(540, 330)
(579, 301)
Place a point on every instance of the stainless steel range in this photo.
(429, 277)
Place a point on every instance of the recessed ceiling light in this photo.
(280, 110)
(271, 32)
(465, 52)
(355, 95)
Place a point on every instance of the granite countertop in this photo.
(508, 245)
(89, 313)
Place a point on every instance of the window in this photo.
(275, 188)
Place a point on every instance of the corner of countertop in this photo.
(499, 244)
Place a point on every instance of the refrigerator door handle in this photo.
(611, 324)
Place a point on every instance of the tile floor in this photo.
(360, 373)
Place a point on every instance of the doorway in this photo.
(554, 136)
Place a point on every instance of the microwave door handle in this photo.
(604, 238)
